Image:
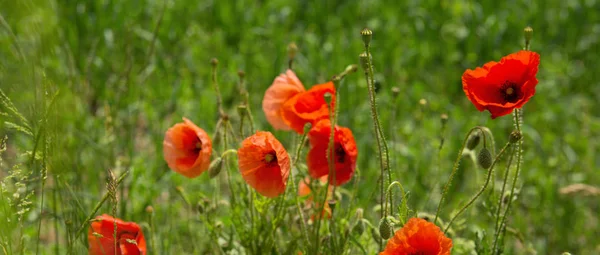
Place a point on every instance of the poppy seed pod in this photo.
(364, 61)
(473, 141)
(484, 158)
(366, 35)
(292, 50)
(385, 229)
(528, 33)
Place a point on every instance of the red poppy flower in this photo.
(264, 163)
(187, 149)
(344, 148)
(130, 238)
(283, 88)
(307, 107)
(500, 87)
(304, 190)
(418, 236)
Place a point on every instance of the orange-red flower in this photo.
(187, 149)
(130, 238)
(264, 163)
(418, 236)
(500, 87)
(285, 86)
(307, 107)
(304, 190)
(344, 148)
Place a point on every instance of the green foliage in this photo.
(128, 70)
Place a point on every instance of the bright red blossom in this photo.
(500, 87)
(264, 164)
(307, 107)
(344, 149)
(418, 236)
(285, 86)
(187, 149)
(130, 238)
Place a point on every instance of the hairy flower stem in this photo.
(297, 201)
(487, 181)
(518, 119)
(214, 62)
(97, 207)
(455, 167)
(501, 199)
(367, 64)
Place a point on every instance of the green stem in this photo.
(510, 159)
(455, 167)
(297, 201)
(487, 181)
(519, 155)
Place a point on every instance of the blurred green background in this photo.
(125, 71)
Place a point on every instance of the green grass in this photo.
(125, 71)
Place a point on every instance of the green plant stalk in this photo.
(455, 167)
(97, 207)
(519, 153)
(226, 125)
(487, 181)
(379, 137)
(298, 207)
(510, 159)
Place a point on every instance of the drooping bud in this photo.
(359, 227)
(366, 35)
(473, 140)
(215, 167)
(484, 158)
(375, 235)
(515, 136)
(385, 228)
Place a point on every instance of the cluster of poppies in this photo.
(264, 164)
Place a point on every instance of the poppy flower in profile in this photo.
(418, 236)
(304, 190)
(500, 87)
(285, 86)
(264, 163)
(187, 149)
(307, 107)
(130, 238)
(344, 149)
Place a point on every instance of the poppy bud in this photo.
(292, 50)
(385, 229)
(359, 227)
(351, 69)
(484, 158)
(473, 141)
(515, 136)
(366, 34)
(364, 61)
(214, 62)
(215, 167)
(149, 209)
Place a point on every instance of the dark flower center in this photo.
(198, 147)
(510, 92)
(340, 153)
(271, 158)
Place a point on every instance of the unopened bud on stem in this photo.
(366, 34)
(515, 136)
(485, 158)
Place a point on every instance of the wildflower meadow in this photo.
(299, 127)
